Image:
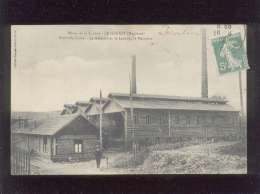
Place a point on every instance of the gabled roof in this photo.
(52, 125)
(94, 105)
(169, 103)
(70, 106)
(94, 108)
(82, 103)
(97, 99)
(166, 97)
(69, 109)
(82, 107)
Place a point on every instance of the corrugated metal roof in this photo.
(50, 126)
(152, 103)
(166, 97)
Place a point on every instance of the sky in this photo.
(57, 65)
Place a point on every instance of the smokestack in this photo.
(133, 81)
(204, 73)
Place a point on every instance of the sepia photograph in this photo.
(128, 99)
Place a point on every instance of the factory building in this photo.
(141, 117)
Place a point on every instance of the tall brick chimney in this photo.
(133, 84)
(204, 73)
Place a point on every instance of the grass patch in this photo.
(127, 160)
(238, 149)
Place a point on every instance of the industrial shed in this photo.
(162, 117)
(68, 137)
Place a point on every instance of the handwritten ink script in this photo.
(169, 30)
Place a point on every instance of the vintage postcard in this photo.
(128, 99)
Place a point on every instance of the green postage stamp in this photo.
(230, 53)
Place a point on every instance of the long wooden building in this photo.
(157, 117)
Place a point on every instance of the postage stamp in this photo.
(230, 53)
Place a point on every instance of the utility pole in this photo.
(132, 122)
(169, 123)
(100, 121)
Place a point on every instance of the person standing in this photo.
(98, 155)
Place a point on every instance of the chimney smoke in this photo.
(204, 73)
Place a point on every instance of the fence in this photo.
(20, 162)
(20, 157)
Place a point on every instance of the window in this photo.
(78, 146)
(157, 140)
(234, 121)
(56, 149)
(203, 119)
(148, 119)
(188, 119)
(113, 122)
(44, 144)
(163, 119)
(136, 119)
(22, 122)
(212, 119)
(177, 119)
(198, 120)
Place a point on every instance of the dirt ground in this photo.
(211, 158)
